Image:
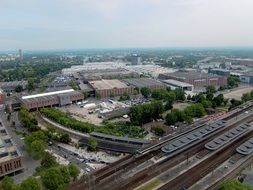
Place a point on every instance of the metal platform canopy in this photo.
(227, 137)
(246, 148)
(119, 139)
(183, 141)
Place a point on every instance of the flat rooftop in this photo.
(107, 84)
(13, 83)
(47, 94)
(190, 75)
(177, 83)
(142, 82)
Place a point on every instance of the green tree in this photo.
(210, 89)
(36, 144)
(30, 85)
(92, 144)
(159, 131)
(52, 179)
(233, 81)
(65, 138)
(170, 99)
(189, 97)
(171, 118)
(73, 171)
(180, 94)
(85, 94)
(146, 92)
(218, 100)
(246, 97)
(65, 173)
(8, 183)
(73, 84)
(48, 161)
(30, 184)
(124, 97)
(209, 96)
(18, 89)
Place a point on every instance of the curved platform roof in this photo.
(246, 148)
(183, 141)
(227, 137)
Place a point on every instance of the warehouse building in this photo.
(247, 78)
(118, 73)
(10, 157)
(57, 98)
(144, 82)
(197, 79)
(222, 72)
(173, 84)
(11, 86)
(108, 88)
(92, 66)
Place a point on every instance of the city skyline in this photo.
(38, 25)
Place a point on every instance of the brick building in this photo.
(197, 79)
(57, 98)
(10, 158)
(107, 88)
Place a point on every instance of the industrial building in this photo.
(222, 72)
(57, 98)
(197, 79)
(149, 70)
(2, 96)
(10, 158)
(173, 84)
(11, 86)
(107, 88)
(247, 78)
(118, 73)
(136, 60)
(92, 66)
(144, 82)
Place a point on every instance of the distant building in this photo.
(10, 158)
(222, 72)
(136, 60)
(144, 82)
(11, 86)
(87, 67)
(118, 73)
(107, 88)
(57, 98)
(197, 79)
(173, 84)
(2, 96)
(247, 78)
(149, 70)
(20, 54)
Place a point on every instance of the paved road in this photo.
(29, 163)
(70, 157)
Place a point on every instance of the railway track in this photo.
(110, 176)
(195, 173)
(119, 181)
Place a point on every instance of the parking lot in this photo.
(238, 92)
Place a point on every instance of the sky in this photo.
(74, 24)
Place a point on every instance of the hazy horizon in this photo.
(125, 24)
